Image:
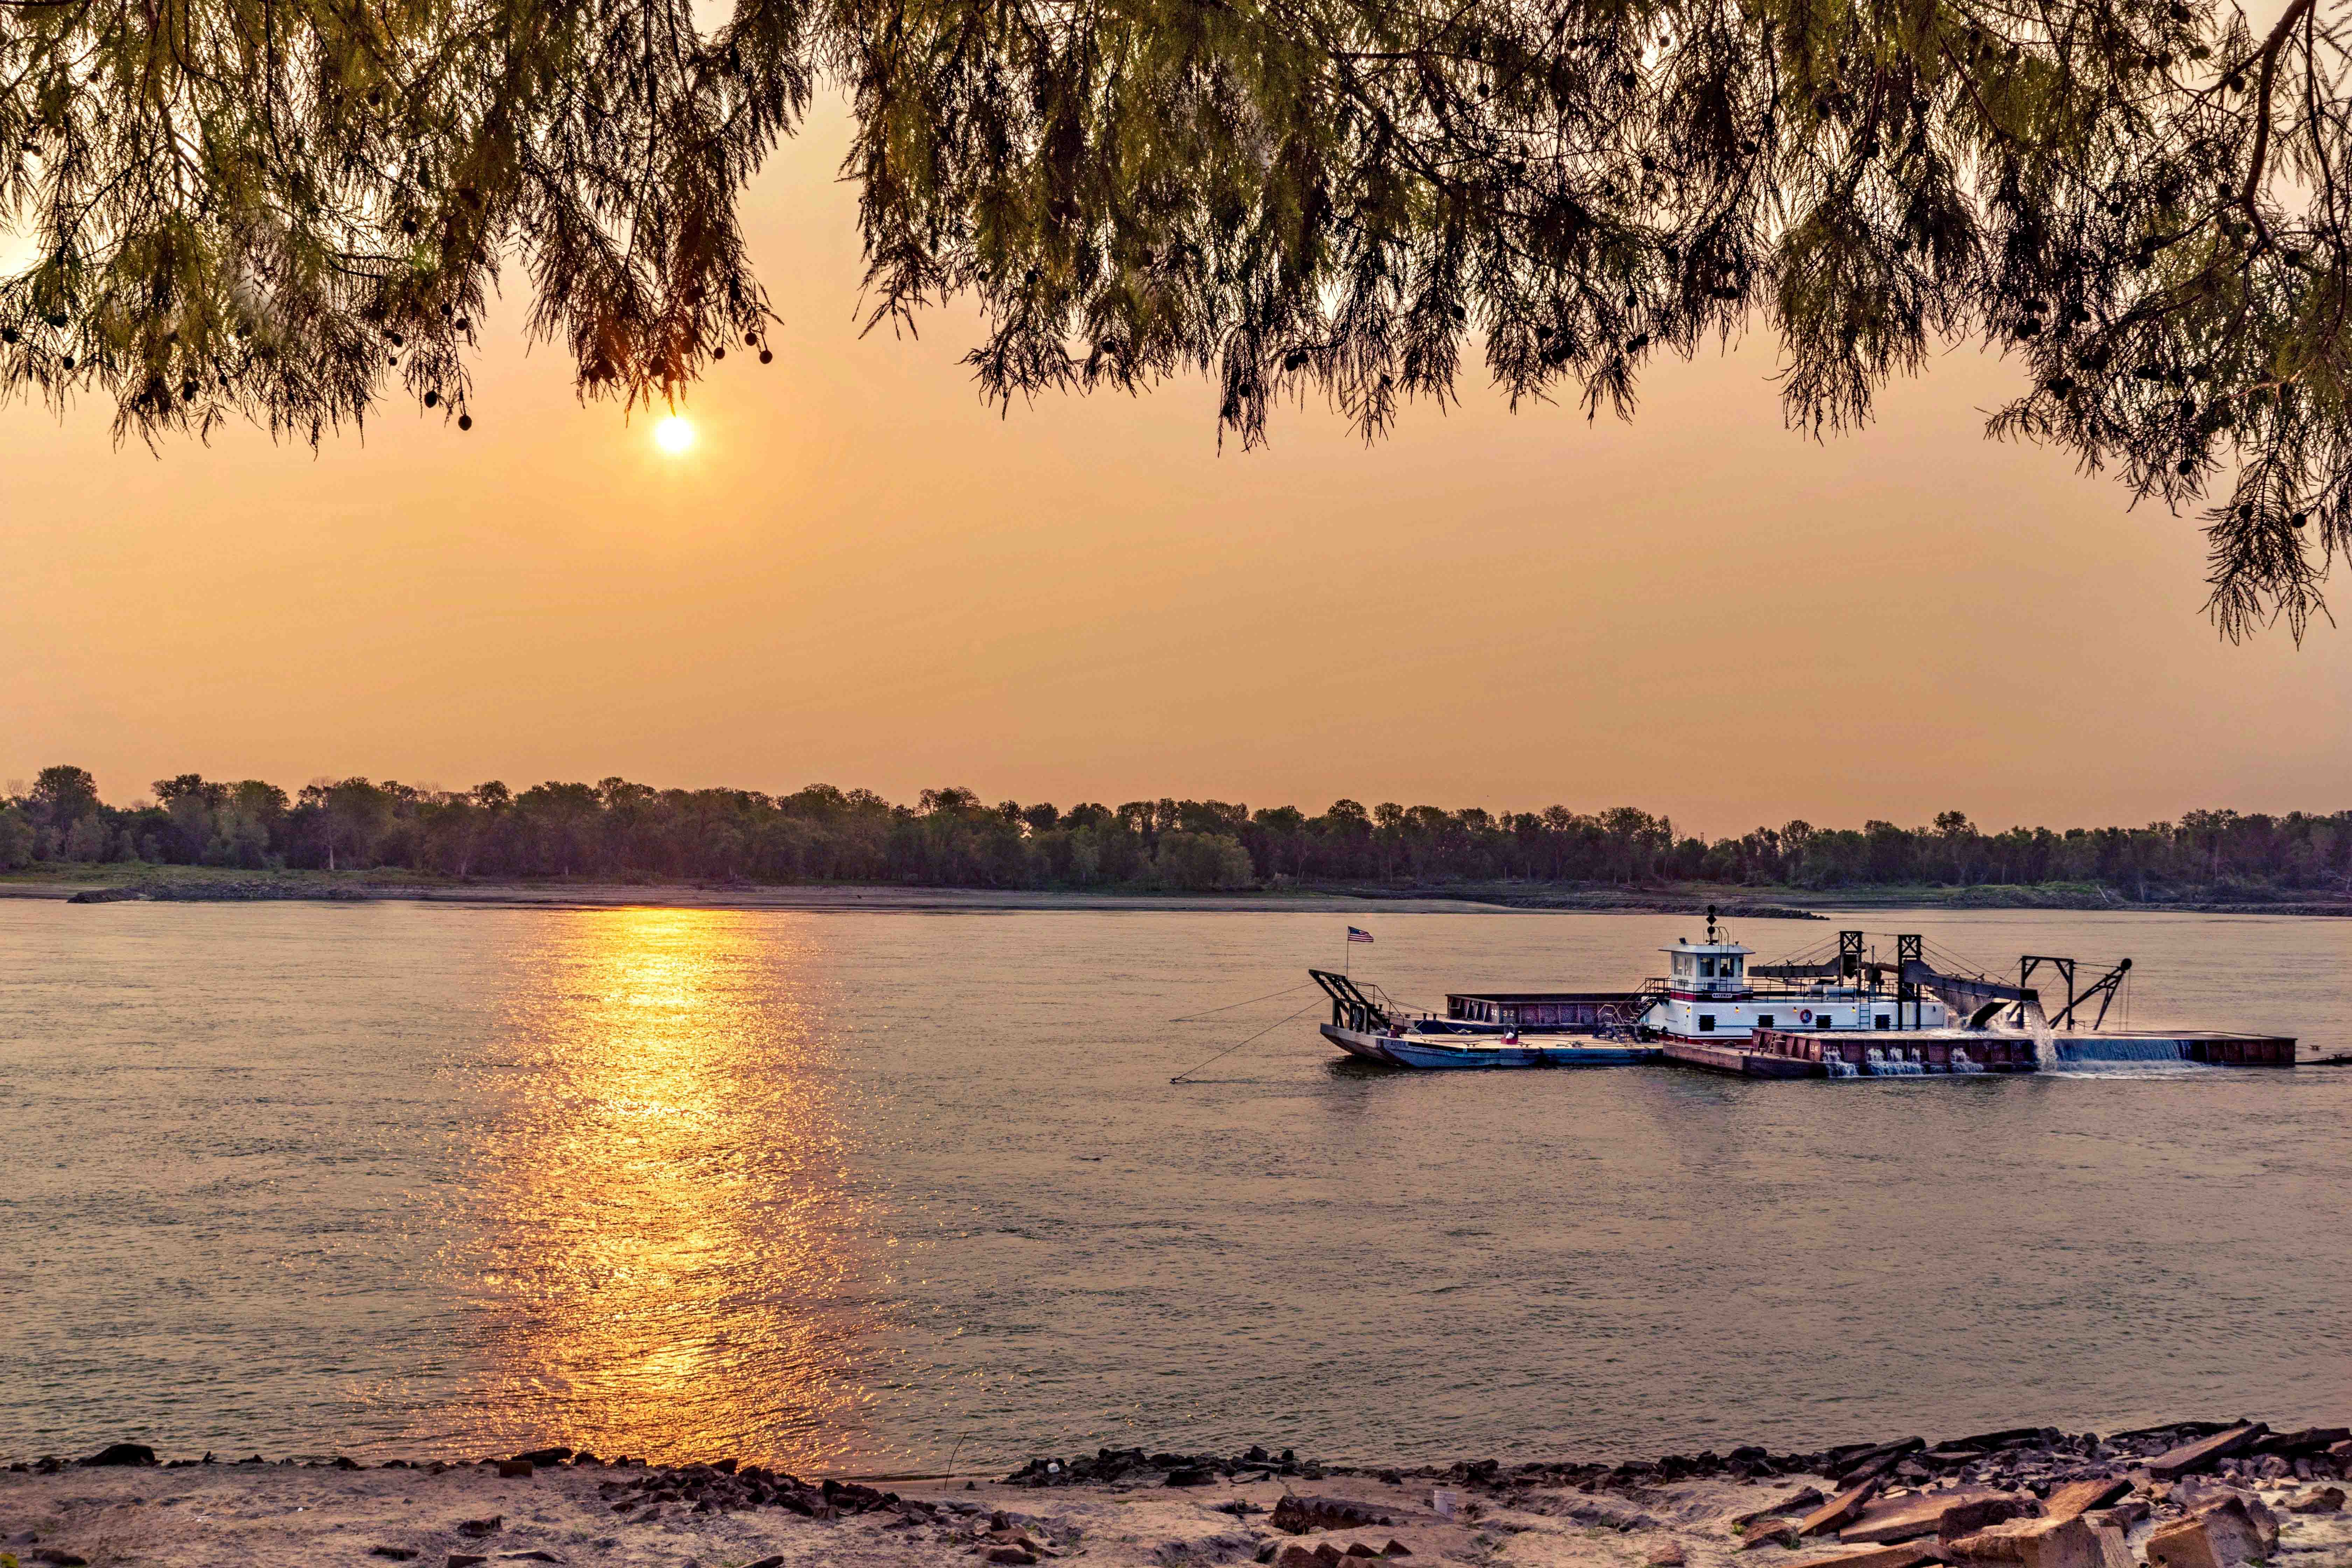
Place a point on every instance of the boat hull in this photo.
(1739, 1060)
(1356, 1043)
(1426, 1054)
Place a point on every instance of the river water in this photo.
(866, 1192)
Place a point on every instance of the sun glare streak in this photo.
(677, 1253)
(674, 434)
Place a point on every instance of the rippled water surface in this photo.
(861, 1191)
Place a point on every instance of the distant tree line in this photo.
(951, 838)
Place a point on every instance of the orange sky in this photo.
(863, 575)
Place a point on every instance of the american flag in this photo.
(1357, 933)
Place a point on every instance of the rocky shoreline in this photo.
(2193, 1494)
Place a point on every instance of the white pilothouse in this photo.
(1712, 995)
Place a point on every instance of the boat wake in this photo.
(2099, 1058)
(2129, 1068)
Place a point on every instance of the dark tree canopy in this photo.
(290, 209)
(950, 837)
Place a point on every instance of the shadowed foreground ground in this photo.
(1169, 1513)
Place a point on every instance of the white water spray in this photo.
(1894, 1062)
(2045, 1039)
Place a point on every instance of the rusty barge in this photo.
(1775, 1053)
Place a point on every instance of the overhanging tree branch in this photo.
(239, 207)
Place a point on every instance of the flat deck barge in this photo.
(1780, 1053)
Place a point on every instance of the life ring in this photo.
(1805, 1016)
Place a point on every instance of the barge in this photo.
(1847, 1014)
(1968, 1050)
(1367, 1024)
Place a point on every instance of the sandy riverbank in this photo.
(1130, 1511)
(302, 886)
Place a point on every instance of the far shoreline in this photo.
(120, 882)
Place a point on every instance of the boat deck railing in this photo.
(1768, 989)
(1358, 1004)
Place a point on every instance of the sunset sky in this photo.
(859, 573)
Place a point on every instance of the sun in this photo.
(674, 434)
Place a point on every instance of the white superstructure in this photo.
(1710, 996)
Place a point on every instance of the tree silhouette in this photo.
(285, 207)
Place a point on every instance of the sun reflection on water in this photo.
(671, 1249)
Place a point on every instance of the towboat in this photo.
(1710, 995)
(1846, 1013)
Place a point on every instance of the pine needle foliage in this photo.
(283, 208)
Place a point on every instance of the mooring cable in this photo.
(1196, 1017)
(1229, 1050)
